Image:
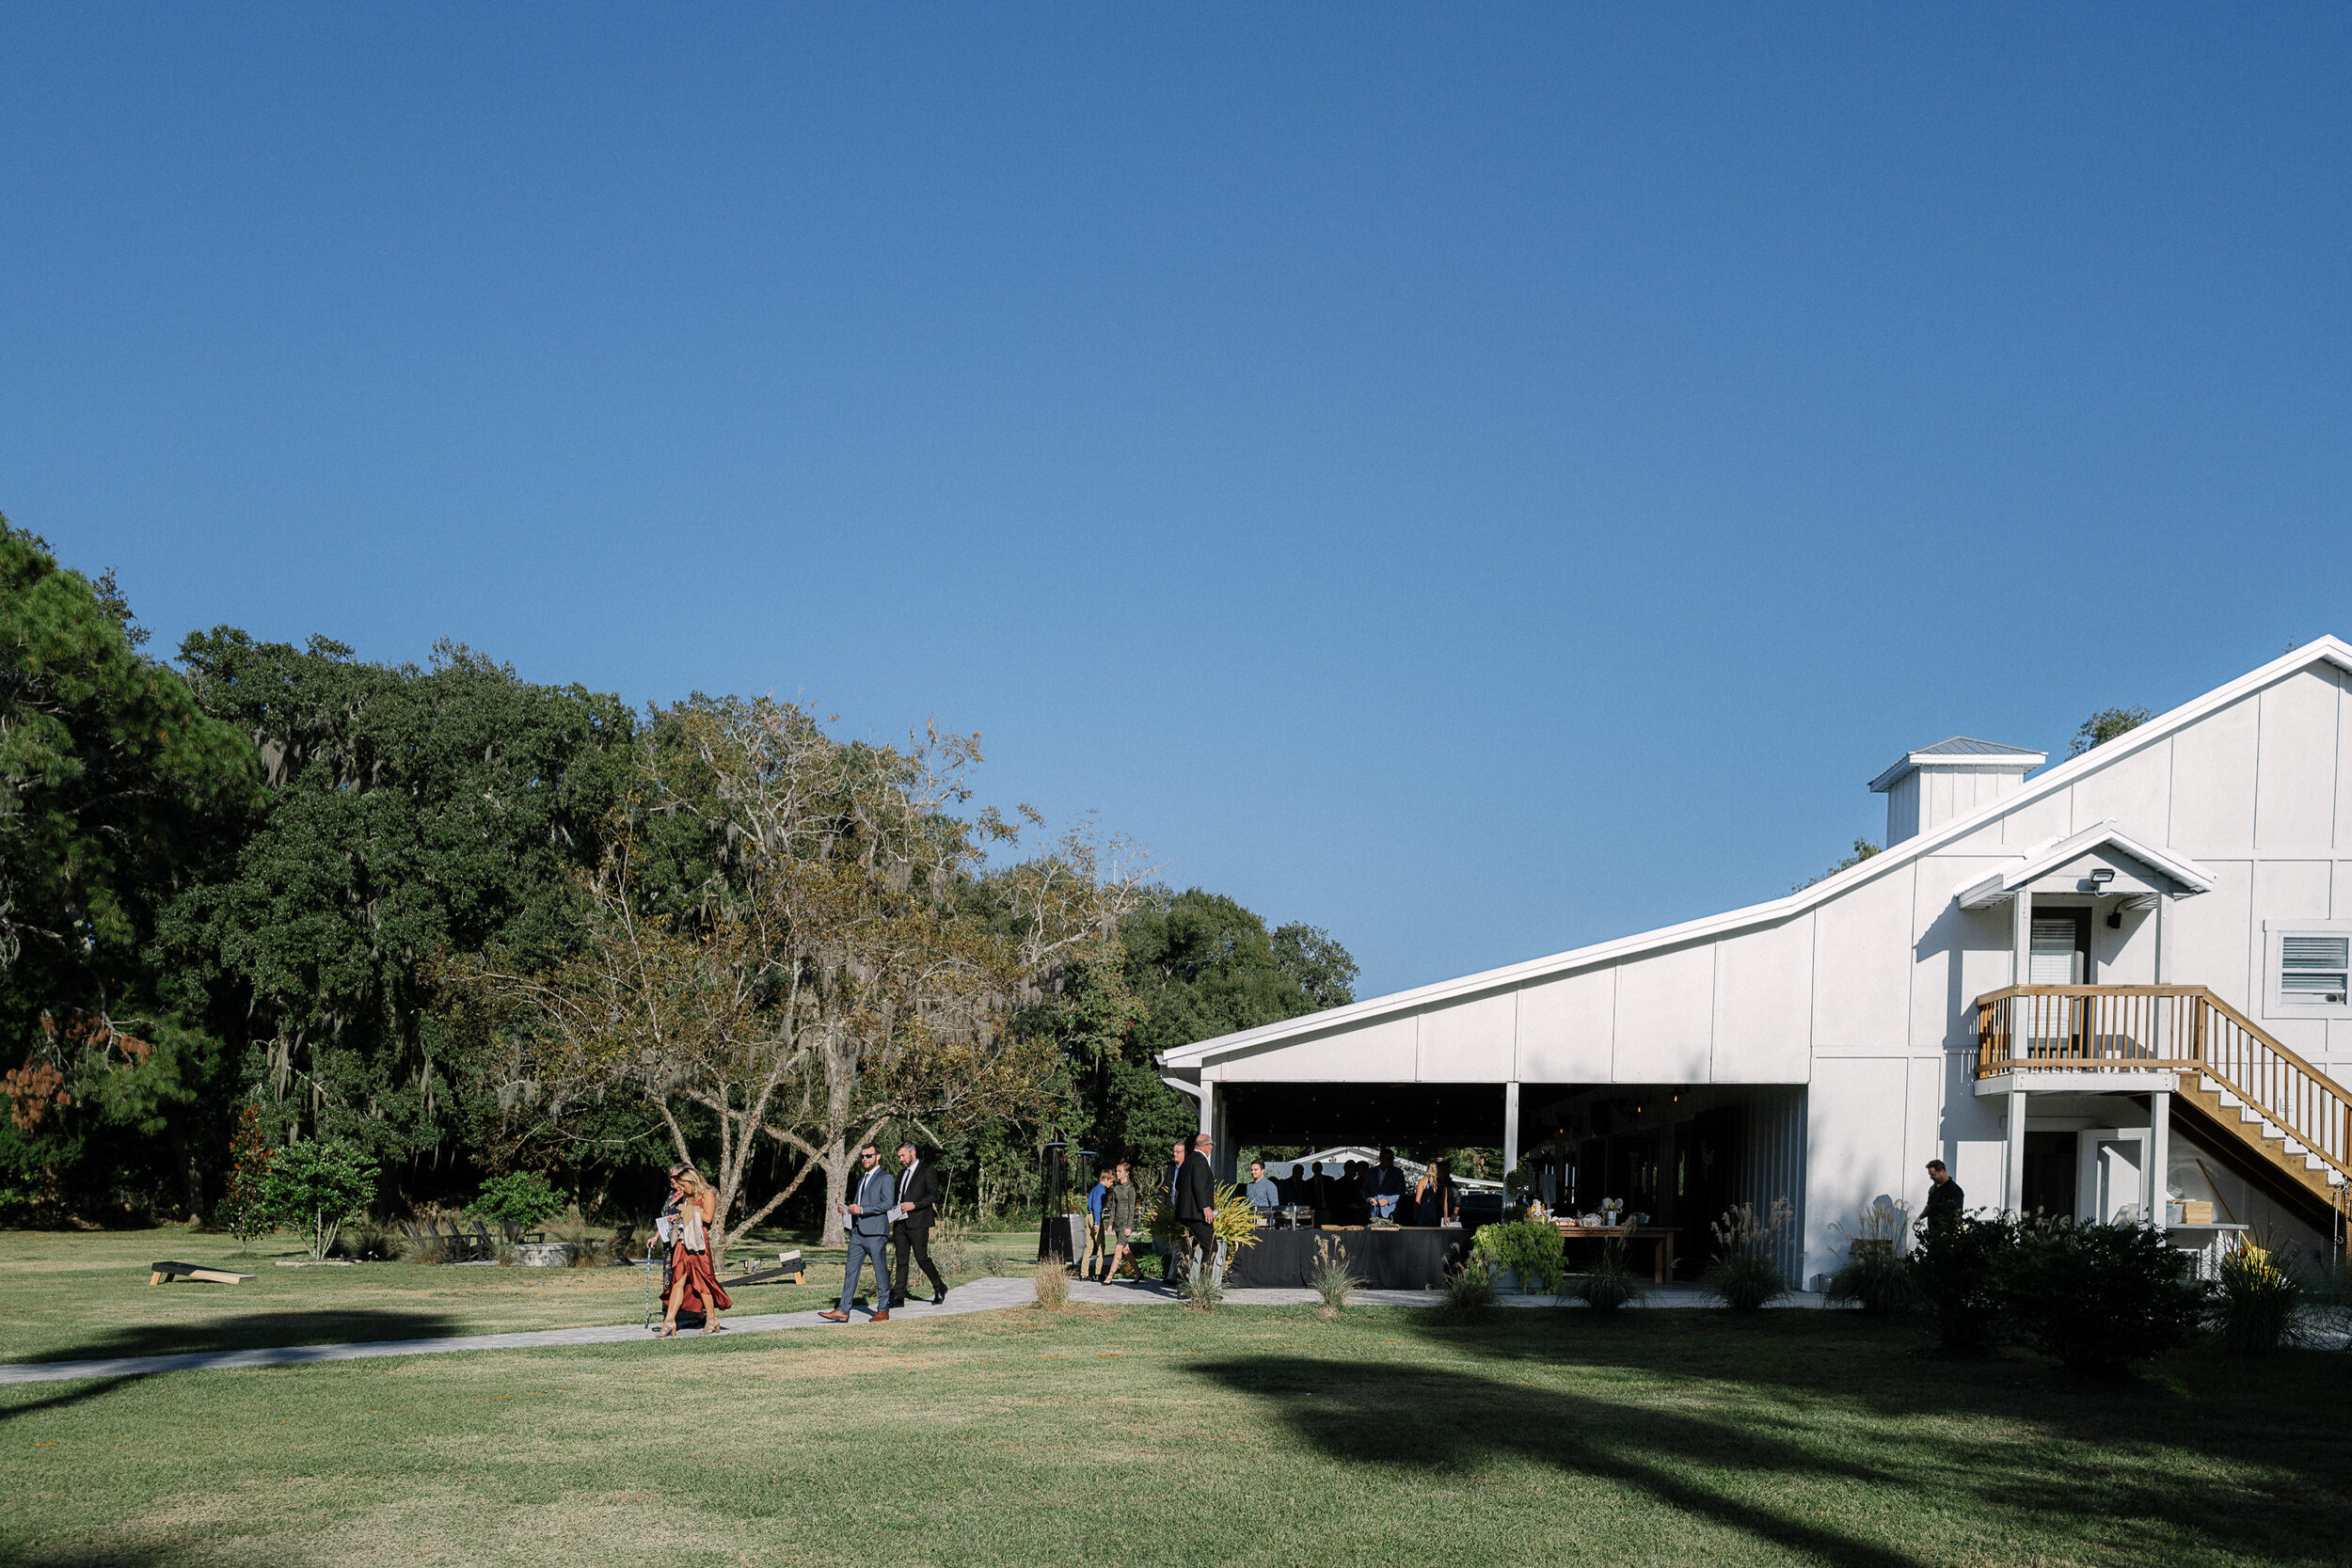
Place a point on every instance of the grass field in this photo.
(1254, 1436)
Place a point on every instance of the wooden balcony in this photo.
(2293, 1113)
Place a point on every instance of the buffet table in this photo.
(1661, 1258)
(1406, 1258)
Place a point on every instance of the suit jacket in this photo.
(1196, 1188)
(918, 1185)
(874, 1192)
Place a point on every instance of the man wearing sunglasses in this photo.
(872, 1196)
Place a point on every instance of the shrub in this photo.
(1469, 1291)
(365, 1240)
(520, 1198)
(1201, 1289)
(1745, 1275)
(315, 1186)
(1874, 1275)
(418, 1248)
(1052, 1285)
(2100, 1296)
(2258, 1305)
(1531, 1249)
(953, 1250)
(571, 1228)
(1236, 1222)
(1613, 1281)
(1959, 1269)
(1332, 1279)
(243, 1212)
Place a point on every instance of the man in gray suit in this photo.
(872, 1197)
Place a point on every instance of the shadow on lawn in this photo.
(1418, 1419)
(260, 1331)
(48, 1555)
(83, 1390)
(2245, 1460)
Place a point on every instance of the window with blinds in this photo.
(2314, 971)
(2054, 960)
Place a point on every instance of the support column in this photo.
(2021, 938)
(1213, 1120)
(1510, 1129)
(2013, 1176)
(2159, 1156)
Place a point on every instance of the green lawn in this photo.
(64, 1296)
(1255, 1436)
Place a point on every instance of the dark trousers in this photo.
(1200, 1237)
(916, 1239)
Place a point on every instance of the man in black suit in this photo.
(918, 1205)
(1196, 1196)
(1944, 1195)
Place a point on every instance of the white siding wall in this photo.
(1902, 809)
(1567, 1029)
(1665, 1017)
(1763, 1029)
(1470, 1042)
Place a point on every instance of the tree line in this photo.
(471, 924)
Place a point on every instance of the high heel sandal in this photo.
(669, 1331)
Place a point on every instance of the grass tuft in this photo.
(1052, 1285)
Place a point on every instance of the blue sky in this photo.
(1479, 482)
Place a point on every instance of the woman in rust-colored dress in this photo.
(689, 1257)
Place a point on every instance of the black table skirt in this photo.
(1406, 1259)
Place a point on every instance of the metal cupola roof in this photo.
(1963, 750)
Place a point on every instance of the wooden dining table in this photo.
(1663, 1240)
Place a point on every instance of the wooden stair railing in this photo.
(2189, 1031)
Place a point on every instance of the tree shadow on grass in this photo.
(258, 1331)
(2244, 1460)
(82, 1389)
(1419, 1419)
(87, 1555)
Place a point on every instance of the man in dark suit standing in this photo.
(1195, 1195)
(918, 1206)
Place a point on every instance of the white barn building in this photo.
(2077, 985)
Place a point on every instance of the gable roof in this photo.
(1958, 748)
(2191, 877)
(2326, 650)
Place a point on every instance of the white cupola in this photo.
(1938, 784)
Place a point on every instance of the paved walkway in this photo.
(981, 1295)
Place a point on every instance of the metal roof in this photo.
(1968, 746)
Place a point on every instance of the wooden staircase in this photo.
(2276, 1110)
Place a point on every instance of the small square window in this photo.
(2314, 971)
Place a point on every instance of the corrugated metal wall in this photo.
(1771, 1162)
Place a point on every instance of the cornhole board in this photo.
(789, 1266)
(159, 1272)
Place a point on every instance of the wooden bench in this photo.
(160, 1273)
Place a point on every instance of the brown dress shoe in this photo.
(880, 1317)
(833, 1316)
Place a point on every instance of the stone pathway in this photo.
(981, 1295)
